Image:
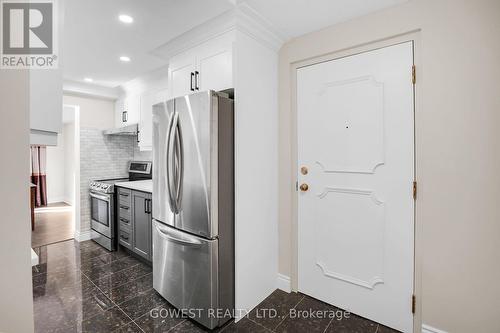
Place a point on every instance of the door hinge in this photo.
(414, 190)
(296, 185)
(413, 303)
(413, 74)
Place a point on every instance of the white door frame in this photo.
(418, 251)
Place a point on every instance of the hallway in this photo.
(53, 223)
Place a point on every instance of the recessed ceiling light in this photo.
(88, 79)
(124, 58)
(126, 18)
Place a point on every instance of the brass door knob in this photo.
(304, 170)
(304, 187)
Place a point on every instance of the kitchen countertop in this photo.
(138, 185)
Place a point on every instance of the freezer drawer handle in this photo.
(186, 241)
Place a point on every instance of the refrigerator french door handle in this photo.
(184, 241)
(180, 167)
(170, 138)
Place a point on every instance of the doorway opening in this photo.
(355, 168)
(55, 198)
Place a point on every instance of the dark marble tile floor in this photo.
(81, 287)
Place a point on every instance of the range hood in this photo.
(125, 130)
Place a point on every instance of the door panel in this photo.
(142, 225)
(355, 221)
(161, 203)
(119, 109)
(180, 70)
(215, 70)
(195, 121)
(185, 271)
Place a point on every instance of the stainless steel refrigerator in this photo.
(193, 205)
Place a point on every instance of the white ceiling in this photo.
(94, 38)
(293, 18)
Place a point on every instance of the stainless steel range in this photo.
(103, 203)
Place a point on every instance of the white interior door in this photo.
(355, 221)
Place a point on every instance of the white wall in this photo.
(69, 165)
(94, 113)
(16, 302)
(457, 150)
(256, 171)
(55, 170)
(61, 163)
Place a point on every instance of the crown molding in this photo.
(90, 90)
(242, 18)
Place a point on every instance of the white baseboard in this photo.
(55, 200)
(81, 236)
(283, 283)
(430, 329)
(68, 201)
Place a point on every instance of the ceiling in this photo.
(293, 18)
(94, 38)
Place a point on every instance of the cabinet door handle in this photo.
(191, 84)
(125, 116)
(196, 80)
(147, 206)
(125, 238)
(124, 194)
(124, 207)
(124, 220)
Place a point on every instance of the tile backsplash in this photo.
(103, 156)
(142, 155)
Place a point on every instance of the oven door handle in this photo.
(99, 196)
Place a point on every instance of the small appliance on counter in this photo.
(103, 203)
(193, 205)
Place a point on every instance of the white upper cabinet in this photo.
(204, 67)
(215, 64)
(127, 111)
(119, 112)
(148, 99)
(133, 109)
(181, 74)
